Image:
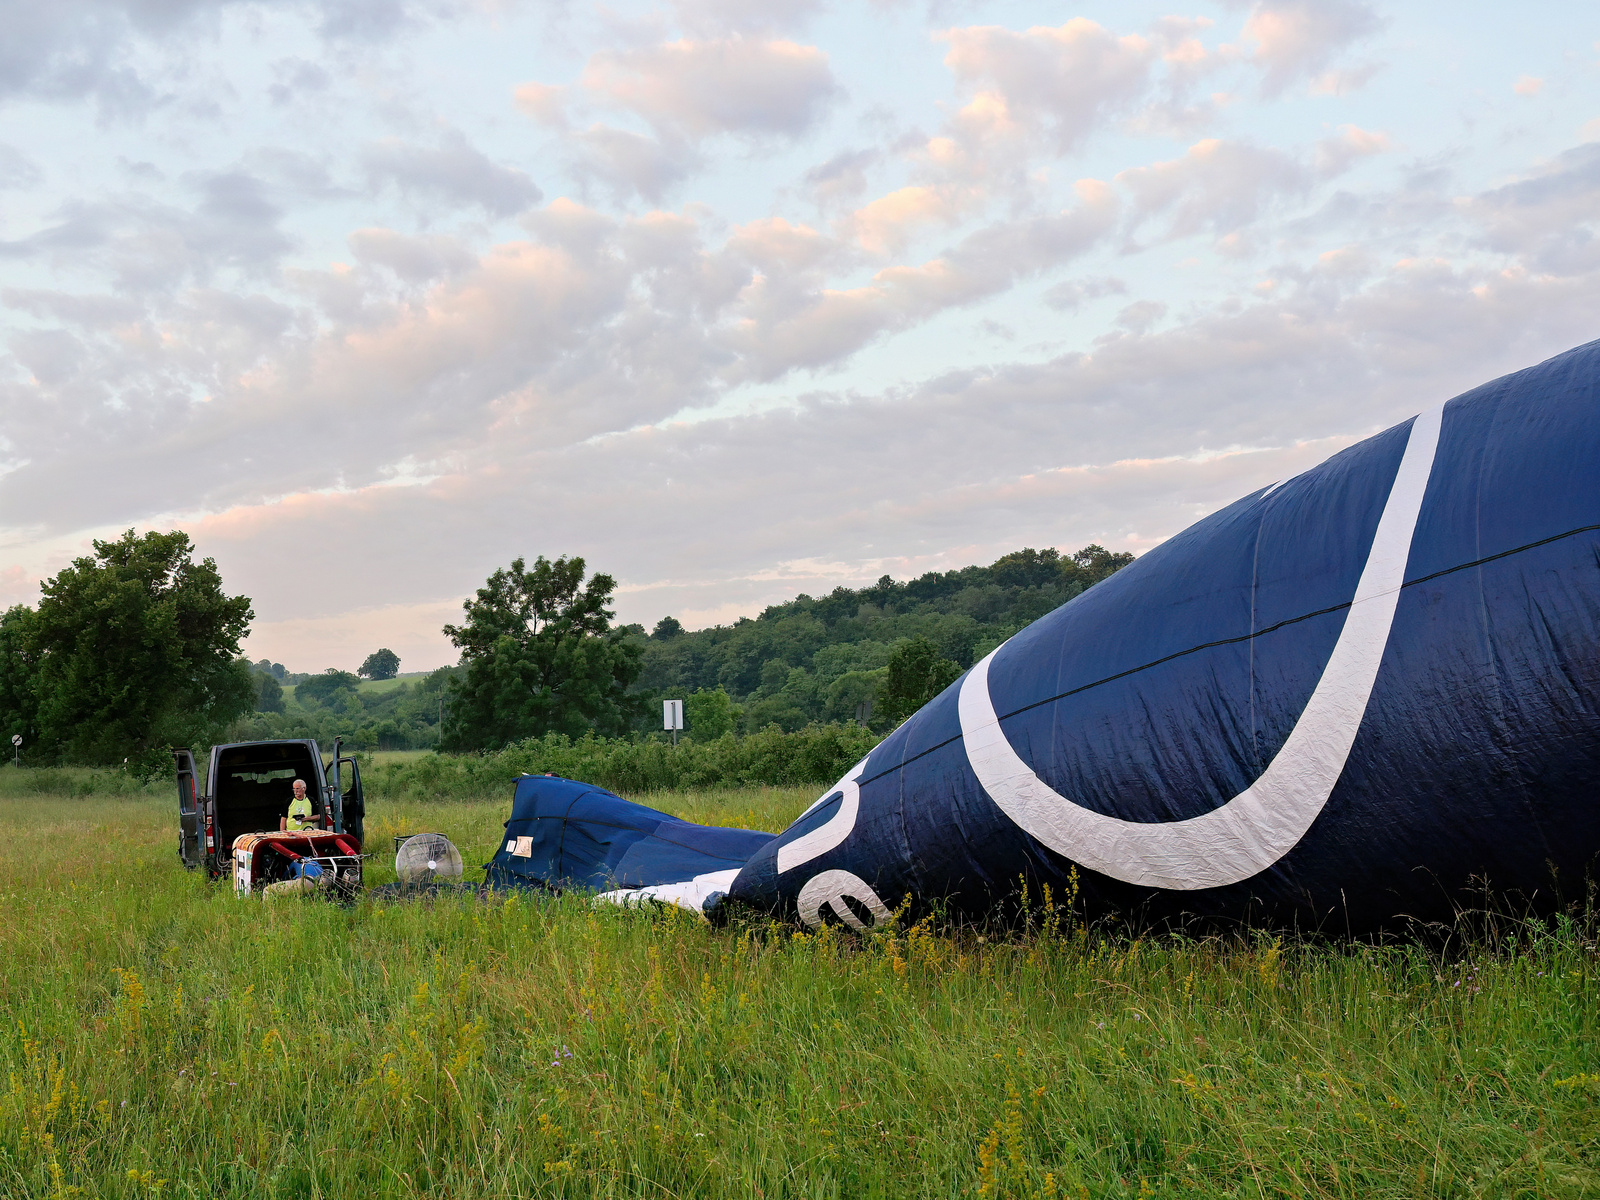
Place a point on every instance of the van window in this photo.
(254, 785)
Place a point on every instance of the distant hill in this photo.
(817, 658)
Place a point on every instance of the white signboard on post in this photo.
(672, 714)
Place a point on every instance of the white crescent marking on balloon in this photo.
(1264, 822)
(831, 832)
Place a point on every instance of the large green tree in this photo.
(137, 649)
(380, 664)
(917, 673)
(540, 657)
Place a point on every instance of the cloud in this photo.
(1140, 316)
(709, 18)
(843, 177)
(545, 103)
(17, 170)
(628, 164)
(1298, 39)
(1071, 295)
(125, 54)
(297, 79)
(890, 221)
(1548, 218)
(148, 246)
(1335, 155)
(1528, 85)
(413, 259)
(732, 85)
(454, 173)
(1063, 81)
(1217, 187)
(781, 328)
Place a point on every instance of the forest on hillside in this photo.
(820, 658)
(810, 659)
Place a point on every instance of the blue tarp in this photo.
(563, 833)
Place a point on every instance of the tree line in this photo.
(136, 648)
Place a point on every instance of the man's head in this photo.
(299, 789)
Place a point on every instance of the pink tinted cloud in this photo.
(1062, 81)
(1298, 39)
(735, 85)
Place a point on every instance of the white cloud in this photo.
(1217, 187)
(734, 85)
(1298, 39)
(1064, 81)
(1336, 154)
(453, 173)
(17, 170)
(1528, 85)
(628, 164)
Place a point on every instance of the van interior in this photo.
(254, 785)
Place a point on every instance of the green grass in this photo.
(165, 1039)
(369, 687)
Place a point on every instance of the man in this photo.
(300, 815)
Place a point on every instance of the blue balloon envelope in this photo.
(1365, 694)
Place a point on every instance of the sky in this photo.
(738, 299)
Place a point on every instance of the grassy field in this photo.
(371, 687)
(163, 1039)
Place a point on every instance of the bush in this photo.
(817, 754)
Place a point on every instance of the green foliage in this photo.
(824, 658)
(380, 664)
(136, 650)
(540, 657)
(403, 717)
(269, 692)
(19, 681)
(333, 688)
(710, 714)
(816, 755)
(916, 674)
(163, 1039)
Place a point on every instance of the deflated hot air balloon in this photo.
(1365, 694)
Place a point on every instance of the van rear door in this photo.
(353, 807)
(190, 833)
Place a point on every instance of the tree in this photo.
(710, 714)
(269, 692)
(19, 680)
(380, 664)
(321, 689)
(917, 673)
(667, 627)
(540, 657)
(137, 649)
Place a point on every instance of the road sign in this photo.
(16, 739)
(672, 717)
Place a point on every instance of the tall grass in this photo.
(164, 1039)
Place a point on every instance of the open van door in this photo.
(190, 832)
(347, 803)
(354, 806)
